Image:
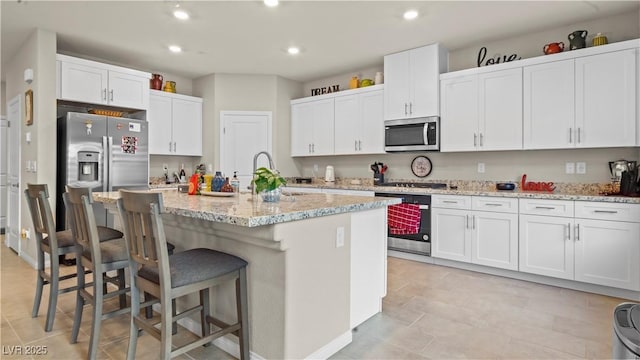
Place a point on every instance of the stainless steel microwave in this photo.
(412, 134)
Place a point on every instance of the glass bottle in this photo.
(218, 181)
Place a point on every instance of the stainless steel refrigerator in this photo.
(101, 152)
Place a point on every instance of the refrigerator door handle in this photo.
(105, 159)
(110, 162)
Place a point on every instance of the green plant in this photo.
(266, 179)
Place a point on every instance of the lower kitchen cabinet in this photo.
(487, 238)
(591, 249)
(546, 247)
(608, 253)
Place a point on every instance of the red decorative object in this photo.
(156, 81)
(536, 186)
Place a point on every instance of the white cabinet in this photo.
(412, 82)
(588, 248)
(585, 102)
(312, 125)
(175, 124)
(482, 112)
(96, 83)
(481, 237)
(359, 123)
(606, 96)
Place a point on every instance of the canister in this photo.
(207, 181)
(599, 39)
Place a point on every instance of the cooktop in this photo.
(415, 185)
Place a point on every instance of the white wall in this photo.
(508, 165)
(343, 79)
(3, 98)
(38, 53)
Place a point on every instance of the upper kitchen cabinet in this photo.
(359, 123)
(312, 123)
(412, 82)
(175, 124)
(586, 102)
(482, 111)
(92, 82)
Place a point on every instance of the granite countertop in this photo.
(575, 192)
(250, 211)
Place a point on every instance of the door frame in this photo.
(14, 126)
(225, 113)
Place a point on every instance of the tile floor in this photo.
(430, 312)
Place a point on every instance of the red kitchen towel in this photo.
(403, 219)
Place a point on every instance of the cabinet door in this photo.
(128, 91)
(459, 120)
(546, 247)
(371, 127)
(494, 239)
(347, 121)
(500, 110)
(396, 86)
(301, 129)
(606, 99)
(83, 83)
(549, 110)
(608, 253)
(450, 234)
(424, 82)
(187, 127)
(323, 125)
(159, 118)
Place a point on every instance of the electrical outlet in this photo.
(569, 168)
(481, 168)
(340, 237)
(165, 167)
(34, 168)
(581, 167)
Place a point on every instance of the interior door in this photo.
(243, 135)
(3, 173)
(14, 115)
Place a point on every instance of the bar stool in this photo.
(99, 257)
(169, 277)
(54, 243)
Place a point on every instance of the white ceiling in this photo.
(247, 37)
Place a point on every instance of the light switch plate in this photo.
(581, 167)
(340, 237)
(481, 168)
(569, 168)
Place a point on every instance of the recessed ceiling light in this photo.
(293, 50)
(175, 48)
(181, 14)
(271, 3)
(410, 15)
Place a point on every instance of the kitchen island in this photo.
(317, 264)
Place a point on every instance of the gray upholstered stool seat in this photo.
(195, 265)
(112, 251)
(65, 239)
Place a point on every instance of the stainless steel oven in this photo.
(420, 242)
(412, 134)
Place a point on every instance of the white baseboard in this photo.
(31, 261)
(333, 347)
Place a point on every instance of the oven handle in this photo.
(424, 207)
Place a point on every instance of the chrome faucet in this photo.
(255, 165)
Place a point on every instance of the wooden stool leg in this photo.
(243, 313)
(39, 285)
(53, 294)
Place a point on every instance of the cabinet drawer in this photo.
(607, 211)
(451, 202)
(495, 204)
(546, 207)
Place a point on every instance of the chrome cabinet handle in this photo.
(466, 221)
(579, 133)
(475, 139)
(104, 94)
(606, 211)
(570, 136)
(174, 146)
(568, 231)
(355, 145)
(313, 148)
(492, 204)
(410, 108)
(405, 108)
(449, 201)
(360, 145)
(481, 136)
(169, 146)
(545, 207)
(577, 232)
(473, 222)
(111, 93)
(309, 148)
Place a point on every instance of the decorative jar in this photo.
(217, 182)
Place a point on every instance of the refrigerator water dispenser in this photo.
(88, 165)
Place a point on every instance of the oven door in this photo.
(420, 242)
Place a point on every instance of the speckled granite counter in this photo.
(245, 210)
(579, 192)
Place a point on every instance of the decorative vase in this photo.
(577, 39)
(271, 195)
(599, 39)
(156, 82)
(217, 182)
(379, 78)
(353, 83)
(170, 86)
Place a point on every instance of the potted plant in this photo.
(267, 183)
